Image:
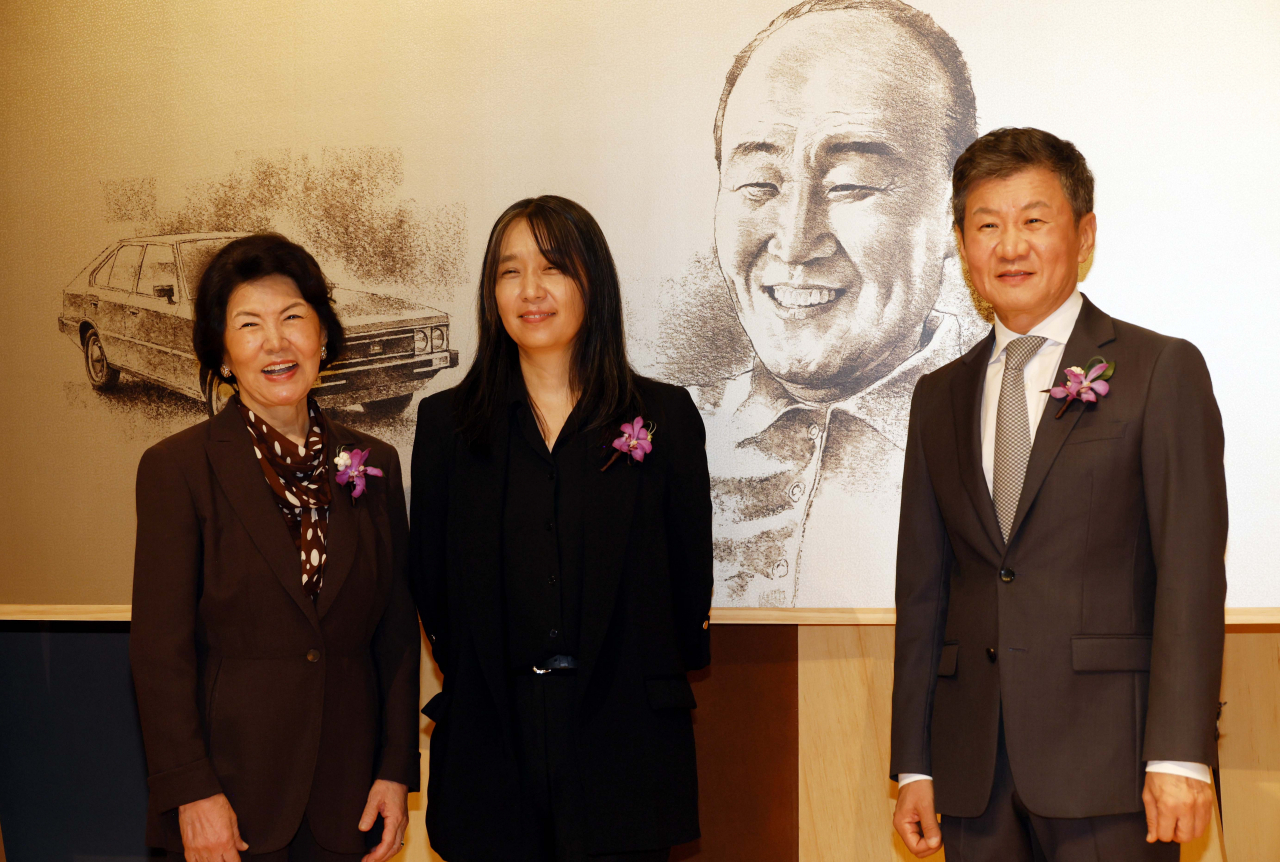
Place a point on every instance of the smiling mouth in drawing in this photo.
(798, 301)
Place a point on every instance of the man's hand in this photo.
(1178, 808)
(391, 800)
(915, 820)
(210, 832)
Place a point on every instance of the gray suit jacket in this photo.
(1098, 627)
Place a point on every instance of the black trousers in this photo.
(303, 848)
(1008, 832)
(545, 721)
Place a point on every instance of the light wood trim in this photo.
(804, 615)
(887, 616)
(1253, 616)
(87, 613)
(722, 616)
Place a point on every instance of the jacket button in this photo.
(313, 655)
(555, 633)
(1007, 575)
(991, 655)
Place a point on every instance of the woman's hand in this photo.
(210, 832)
(391, 800)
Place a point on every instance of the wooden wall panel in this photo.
(1249, 750)
(845, 679)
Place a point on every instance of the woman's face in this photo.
(541, 307)
(273, 340)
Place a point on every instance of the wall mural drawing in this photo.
(773, 179)
(834, 139)
(131, 308)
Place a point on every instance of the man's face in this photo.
(832, 217)
(1023, 246)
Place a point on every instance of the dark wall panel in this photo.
(73, 783)
(747, 726)
(73, 776)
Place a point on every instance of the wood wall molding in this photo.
(887, 616)
(721, 616)
(86, 613)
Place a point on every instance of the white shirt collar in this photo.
(1056, 328)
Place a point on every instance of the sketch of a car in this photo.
(131, 309)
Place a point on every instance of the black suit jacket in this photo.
(646, 596)
(229, 698)
(1107, 627)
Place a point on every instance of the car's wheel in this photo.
(387, 407)
(102, 374)
(217, 392)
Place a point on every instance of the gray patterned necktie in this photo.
(1013, 432)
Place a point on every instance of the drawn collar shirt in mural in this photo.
(299, 480)
(806, 496)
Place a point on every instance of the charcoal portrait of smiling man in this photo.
(835, 137)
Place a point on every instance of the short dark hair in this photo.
(246, 259)
(569, 238)
(1005, 152)
(962, 113)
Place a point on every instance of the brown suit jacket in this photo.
(1098, 628)
(244, 685)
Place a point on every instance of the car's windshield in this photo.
(196, 254)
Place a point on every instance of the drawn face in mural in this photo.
(1022, 245)
(831, 219)
(541, 306)
(273, 340)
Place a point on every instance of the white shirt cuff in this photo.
(1198, 771)
(906, 778)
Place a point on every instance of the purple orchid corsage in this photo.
(351, 468)
(1084, 384)
(636, 441)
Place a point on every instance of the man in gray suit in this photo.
(1060, 553)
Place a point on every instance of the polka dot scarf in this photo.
(299, 478)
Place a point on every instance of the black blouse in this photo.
(542, 539)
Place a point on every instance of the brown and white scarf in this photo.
(299, 478)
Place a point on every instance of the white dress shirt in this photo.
(1040, 373)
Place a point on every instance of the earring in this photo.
(226, 373)
(324, 352)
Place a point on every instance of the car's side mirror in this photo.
(165, 291)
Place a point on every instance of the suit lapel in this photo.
(966, 405)
(230, 452)
(1093, 329)
(610, 500)
(344, 522)
(478, 498)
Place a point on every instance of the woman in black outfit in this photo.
(562, 566)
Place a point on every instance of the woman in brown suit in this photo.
(274, 642)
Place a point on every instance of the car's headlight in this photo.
(419, 342)
(439, 338)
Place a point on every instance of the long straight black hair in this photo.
(571, 240)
